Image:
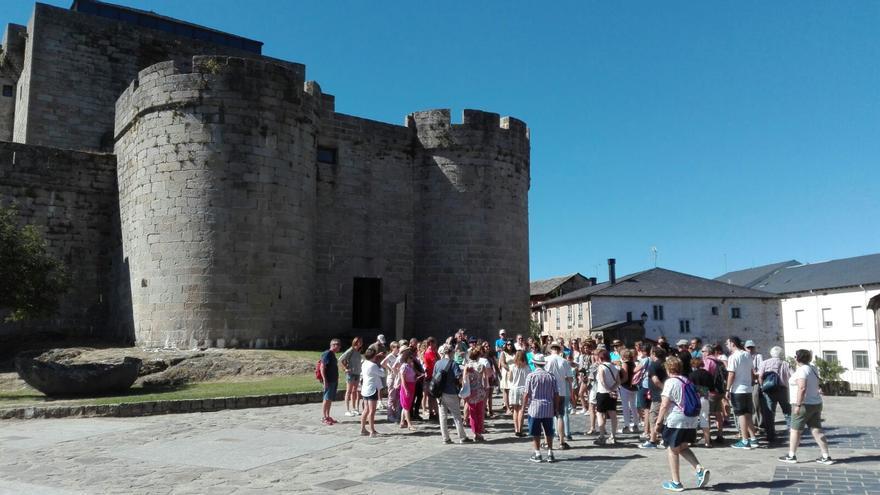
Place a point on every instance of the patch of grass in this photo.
(312, 356)
(207, 390)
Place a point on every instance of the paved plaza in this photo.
(287, 450)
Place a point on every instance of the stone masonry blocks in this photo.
(217, 201)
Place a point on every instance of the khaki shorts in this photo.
(715, 404)
(810, 415)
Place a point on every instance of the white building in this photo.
(671, 304)
(830, 308)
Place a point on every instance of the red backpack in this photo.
(318, 375)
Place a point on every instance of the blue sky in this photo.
(726, 134)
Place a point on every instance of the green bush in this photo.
(33, 281)
(829, 371)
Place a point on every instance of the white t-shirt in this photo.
(740, 362)
(674, 389)
(809, 374)
(371, 378)
(605, 378)
(559, 367)
(390, 361)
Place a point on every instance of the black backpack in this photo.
(719, 380)
(438, 381)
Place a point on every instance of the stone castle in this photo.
(203, 194)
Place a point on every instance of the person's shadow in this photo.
(735, 487)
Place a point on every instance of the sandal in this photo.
(412, 428)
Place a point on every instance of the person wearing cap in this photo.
(328, 369)
(739, 392)
(541, 398)
(757, 398)
(500, 341)
(683, 352)
(449, 403)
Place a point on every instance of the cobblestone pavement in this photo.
(287, 450)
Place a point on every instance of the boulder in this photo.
(57, 374)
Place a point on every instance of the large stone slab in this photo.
(233, 448)
(29, 435)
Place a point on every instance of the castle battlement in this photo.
(238, 208)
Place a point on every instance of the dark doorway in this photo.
(367, 303)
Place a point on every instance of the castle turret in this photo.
(217, 201)
(472, 182)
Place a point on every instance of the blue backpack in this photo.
(690, 400)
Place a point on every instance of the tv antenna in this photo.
(654, 253)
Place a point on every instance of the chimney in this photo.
(592, 281)
(612, 278)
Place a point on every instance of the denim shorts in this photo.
(330, 391)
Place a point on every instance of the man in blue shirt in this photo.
(499, 343)
(329, 370)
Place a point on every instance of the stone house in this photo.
(667, 303)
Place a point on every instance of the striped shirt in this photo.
(542, 390)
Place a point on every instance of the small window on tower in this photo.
(7, 90)
(327, 155)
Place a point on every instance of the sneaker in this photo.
(673, 486)
(742, 444)
(350, 414)
(565, 446)
(331, 420)
(611, 440)
(648, 445)
(536, 458)
(753, 443)
(327, 422)
(569, 438)
(788, 459)
(550, 456)
(702, 478)
(825, 460)
(447, 441)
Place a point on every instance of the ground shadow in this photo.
(603, 458)
(748, 485)
(857, 459)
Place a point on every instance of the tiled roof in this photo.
(847, 272)
(659, 282)
(541, 287)
(750, 277)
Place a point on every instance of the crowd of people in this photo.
(672, 396)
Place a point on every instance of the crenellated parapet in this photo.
(472, 252)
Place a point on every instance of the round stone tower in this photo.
(472, 233)
(217, 201)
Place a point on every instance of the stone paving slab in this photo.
(14, 488)
(35, 435)
(847, 437)
(803, 479)
(233, 448)
(478, 470)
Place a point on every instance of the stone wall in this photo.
(71, 198)
(365, 219)
(76, 67)
(217, 201)
(471, 213)
(11, 60)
